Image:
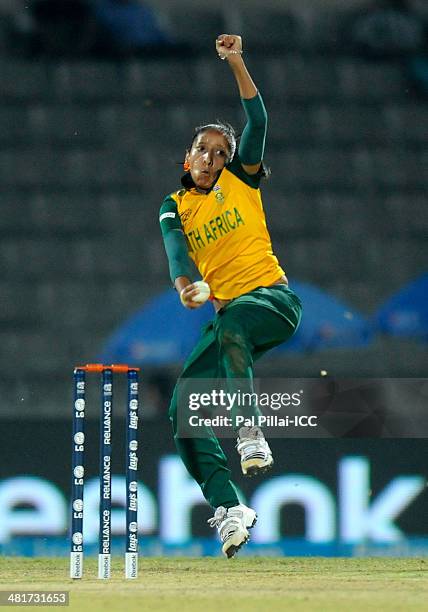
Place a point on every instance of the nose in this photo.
(208, 159)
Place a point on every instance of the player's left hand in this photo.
(228, 45)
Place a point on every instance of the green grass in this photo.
(241, 584)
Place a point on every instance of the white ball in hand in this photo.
(204, 292)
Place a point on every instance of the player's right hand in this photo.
(187, 294)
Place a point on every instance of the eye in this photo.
(221, 152)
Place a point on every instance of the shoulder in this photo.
(235, 167)
(168, 213)
(171, 202)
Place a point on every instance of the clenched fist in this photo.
(227, 45)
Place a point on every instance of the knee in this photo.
(233, 346)
(230, 336)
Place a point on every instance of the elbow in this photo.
(259, 130)
(259, 122)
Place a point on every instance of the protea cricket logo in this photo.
(218, 194)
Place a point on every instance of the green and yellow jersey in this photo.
(226, 232)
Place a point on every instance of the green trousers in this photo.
(242, 331)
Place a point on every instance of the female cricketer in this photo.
(217, 221)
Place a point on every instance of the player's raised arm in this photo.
(252, 143)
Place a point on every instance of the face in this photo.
(207, 157)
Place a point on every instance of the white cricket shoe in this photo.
(256, 456)
(232, 525)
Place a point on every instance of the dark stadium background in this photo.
(90, 143)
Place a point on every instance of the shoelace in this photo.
(249, 447)
(227, 521)
(252, 434)
(219, 515)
